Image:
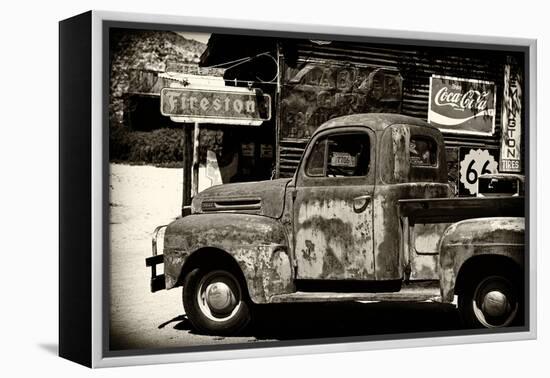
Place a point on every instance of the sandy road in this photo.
(144, 197)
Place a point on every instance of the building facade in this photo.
(473, 96)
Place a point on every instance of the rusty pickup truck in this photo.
(369, 215)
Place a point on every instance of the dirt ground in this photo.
(143, 197)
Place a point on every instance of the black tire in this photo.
(225, 287)
(491, 300)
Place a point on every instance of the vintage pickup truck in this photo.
(368, 215)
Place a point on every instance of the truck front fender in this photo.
(258, 245)
(462, 241)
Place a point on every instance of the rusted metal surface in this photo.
(408, 293)
(287, 220)
(446, 210)
(400, 146)
(426, 237)
(270, 194)
(386, 225)
(258, 244)
(388, 260)
(424, 250)
(424, 267)
(332, 219)
(314, 92)
(333, 240)
(395, 166)
(481, 236)
(373, 121)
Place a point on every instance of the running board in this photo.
(409, 293)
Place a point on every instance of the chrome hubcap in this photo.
(494, 303)
(219, 295)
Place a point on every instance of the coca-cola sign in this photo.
(462, 106)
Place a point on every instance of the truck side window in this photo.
(316, 162)
(422, 152)
(344, 155)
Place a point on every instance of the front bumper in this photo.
(157, 280)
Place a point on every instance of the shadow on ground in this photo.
(50, 348)
(320, 320)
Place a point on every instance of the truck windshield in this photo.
(496, 187)
(344, 155)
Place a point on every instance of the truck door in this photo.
(333, 206)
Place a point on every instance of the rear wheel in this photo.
(215, 301)
(491, 301)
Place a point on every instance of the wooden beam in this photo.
(186, 162)
(195, 179)
(448, 210)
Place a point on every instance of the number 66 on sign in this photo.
(474, 163)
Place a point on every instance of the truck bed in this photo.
(449, 210)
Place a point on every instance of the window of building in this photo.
(344, 155)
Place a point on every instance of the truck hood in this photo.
(262, 197)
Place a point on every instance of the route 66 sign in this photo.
(474, 163)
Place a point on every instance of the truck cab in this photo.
(346, 190)
(364, 218)
(501, 185)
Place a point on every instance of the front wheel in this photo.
(216, 302)
(491, 301)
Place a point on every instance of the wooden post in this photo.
(186, 162)
(195, 180)
(277, 105)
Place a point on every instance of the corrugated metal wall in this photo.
(416, 66)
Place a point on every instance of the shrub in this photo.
(158, 147)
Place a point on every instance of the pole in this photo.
(186, 162)
(277, 104)
(195, 180)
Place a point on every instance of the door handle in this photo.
(360, 203)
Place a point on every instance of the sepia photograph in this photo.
(267, 189)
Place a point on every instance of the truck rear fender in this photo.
(257, 245)
(468, 244)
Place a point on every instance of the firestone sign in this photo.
(462, 106)
(238, 106)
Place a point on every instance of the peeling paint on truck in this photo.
(475, 237)
(332, 243)
(257, 244)
(346, 228)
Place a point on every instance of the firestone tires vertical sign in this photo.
(462, 106)
(510, 151)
